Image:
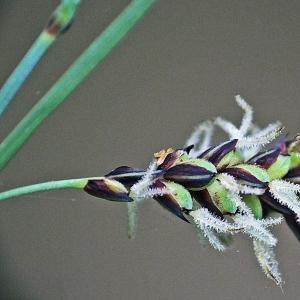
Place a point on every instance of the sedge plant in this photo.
(235, 186)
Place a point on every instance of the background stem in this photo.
(61, 18)
(78, 71)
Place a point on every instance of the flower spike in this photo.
(224, 189)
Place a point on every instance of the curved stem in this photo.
(46, 186)
(78, 71)
(61, 18)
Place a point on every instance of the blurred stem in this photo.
(131, 219)
(46, 186)
(77, 72)
(59, 21)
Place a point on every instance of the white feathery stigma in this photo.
(200, 138)
(286, 194)
(262, 138)
(232, 186)
(140, 190)
(266, 258)
(250, 137)
(257, 229)
(231, 129)
(211, 225)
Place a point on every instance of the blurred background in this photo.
(182, 64)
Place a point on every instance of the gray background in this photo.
(182, 64)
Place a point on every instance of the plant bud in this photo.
(176, 200)
(193, 174)
(62, 18)
(108, 189)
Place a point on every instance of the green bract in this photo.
(230, 159)
(253, 202)
(257, 172)
(203, 164)
(295, 160)
(221, 197)
(181, 195)
(280, 167)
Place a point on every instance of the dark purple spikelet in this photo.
(215, 154)
(108, 189)
(290, 217)
(189, 175)
(293, 175)
(204, 199)
(265, 159)
(168, 201)
(126, 175)
(246, 177)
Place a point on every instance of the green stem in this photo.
(78, 71)
(60, 19)
(46, 186)
(131, 219)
